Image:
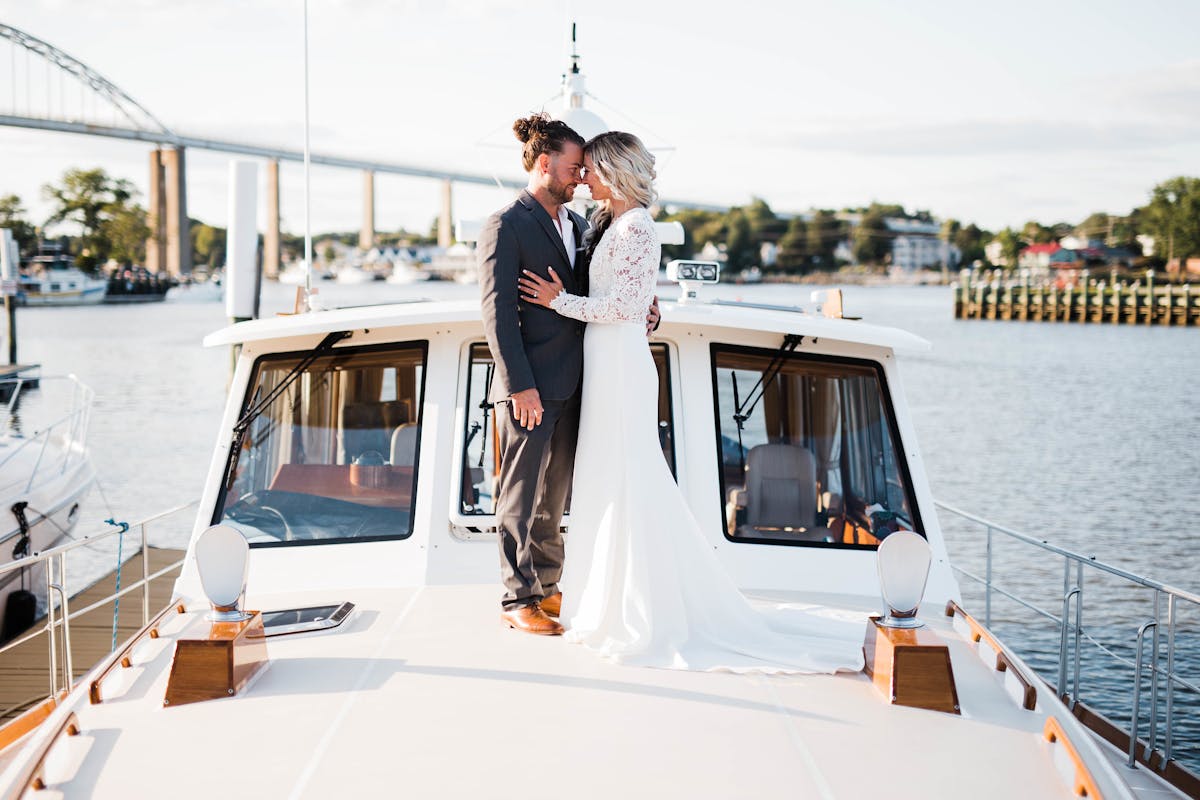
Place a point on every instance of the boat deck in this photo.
(24, 670)
(422, 691)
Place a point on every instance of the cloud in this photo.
(986, 138)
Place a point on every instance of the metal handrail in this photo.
(76, 421)
(1071, 632)
(58, 625)
(1141, 580)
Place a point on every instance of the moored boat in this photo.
(51, 278)
(44, 478)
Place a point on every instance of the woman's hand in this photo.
(537, 291)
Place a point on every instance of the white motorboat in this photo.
(355, 457)
(44, 477)
(51, 279)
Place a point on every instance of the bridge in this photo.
(98, 107)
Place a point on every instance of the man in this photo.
(539, 363)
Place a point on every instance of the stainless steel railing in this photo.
(68, 431)
(57, 624)
(1072, 633)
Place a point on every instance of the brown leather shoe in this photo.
(531, 619)
(552, 604)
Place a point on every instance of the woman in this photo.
(641, 584)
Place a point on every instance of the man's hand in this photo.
(653, 317)
(527, 408)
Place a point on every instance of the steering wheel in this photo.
(251, 501)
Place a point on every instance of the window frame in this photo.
(716, 348)
(255, 373)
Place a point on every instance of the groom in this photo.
(539, 363)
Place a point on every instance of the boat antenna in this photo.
(308, 266)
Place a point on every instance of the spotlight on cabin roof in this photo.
(690, 274)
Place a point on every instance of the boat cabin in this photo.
(366, 434)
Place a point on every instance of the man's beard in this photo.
(562, 192)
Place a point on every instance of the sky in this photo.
(996, 113)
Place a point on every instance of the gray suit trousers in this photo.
(535, 477)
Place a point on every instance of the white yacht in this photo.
(44, 477)
(355, 461)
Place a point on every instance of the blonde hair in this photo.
(627, 168)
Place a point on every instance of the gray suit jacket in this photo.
(534, 347)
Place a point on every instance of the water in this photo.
(1077, 434)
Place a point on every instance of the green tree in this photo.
(824, 233)
(741, 250)
(330, 254)
(126, 230)
(1096, 226)
(1173, 218)
(871, 241)
(1010, 246)
(970, 240)
(1036, 233)
(208, 244)
(12, 216)
(766, 227)
(92, 200)
(794, 256)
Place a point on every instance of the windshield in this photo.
(816, 458)
(333, 458)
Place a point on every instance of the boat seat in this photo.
(365, 426)
(404, 445)
(780, 495)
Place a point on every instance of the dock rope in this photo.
(117, 598)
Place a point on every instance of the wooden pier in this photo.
(25, 670)
(1120, 303)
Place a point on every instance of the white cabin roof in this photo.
(427, 312)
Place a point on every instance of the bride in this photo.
(641, 583)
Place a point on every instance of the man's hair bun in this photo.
(528, 128)
(541, 134)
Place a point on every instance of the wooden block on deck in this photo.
(218, 666)
(911, 666)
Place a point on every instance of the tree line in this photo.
(112, 225)
(808, 243)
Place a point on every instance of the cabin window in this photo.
(479, 459)
(334, 457)
(816, 459)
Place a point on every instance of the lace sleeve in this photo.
(635, 253)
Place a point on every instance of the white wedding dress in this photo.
(641, 584)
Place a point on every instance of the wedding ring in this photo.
(535, 294)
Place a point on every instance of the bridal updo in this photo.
(626, 167)
(541, 134)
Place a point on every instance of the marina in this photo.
(937, 504)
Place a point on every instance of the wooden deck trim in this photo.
(1004, 661)
(29, 720)
(1084, 783)
(122, 656)
(31, 776)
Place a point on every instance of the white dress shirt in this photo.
(567, 231)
